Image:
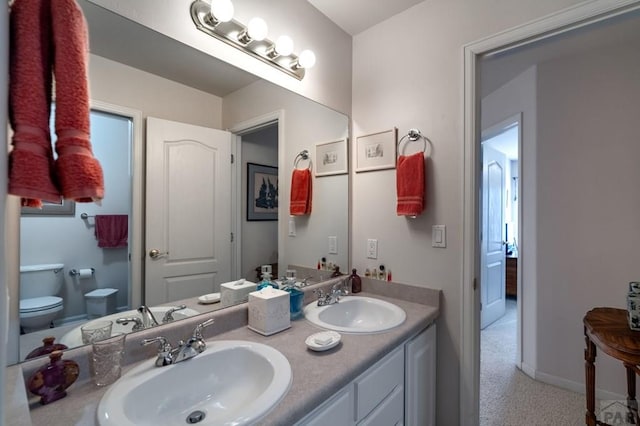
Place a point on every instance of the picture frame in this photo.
(331, 158)
(262, 192)
(377, 151)
(64, 208)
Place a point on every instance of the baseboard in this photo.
(528, 370)
(577, 387)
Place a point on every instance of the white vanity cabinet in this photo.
(399, 389)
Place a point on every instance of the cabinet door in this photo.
(379, 381)
(420, 379)
(389, 412)
(337, 411)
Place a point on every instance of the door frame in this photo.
(239, 129)
(136, 220)
(581, 15)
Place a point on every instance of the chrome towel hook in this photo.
(415, 135)
(303, 155)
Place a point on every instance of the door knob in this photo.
(155, 254)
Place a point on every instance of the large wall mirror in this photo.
(136, 73)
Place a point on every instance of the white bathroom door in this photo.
(188, 211)
(492, 281)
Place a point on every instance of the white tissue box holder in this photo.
(269, 311)
(235, 292)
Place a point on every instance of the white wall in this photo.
(71, 240)
(154, 96)
(519, 96)
(588, 202)
(259, 238)
(305, 124)
(329, 82)
(408, 72)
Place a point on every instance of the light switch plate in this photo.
(439, 236)
(292, 227)
(333, 245)
(372, 249)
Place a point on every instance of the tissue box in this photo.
(633, 305)
(269, 311)
(235, 292)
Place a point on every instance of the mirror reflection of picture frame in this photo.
(377, 151)
(331, 158)
(65, 208)
(262, 192)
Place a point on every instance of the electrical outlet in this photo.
(372, 249)
(333, 245)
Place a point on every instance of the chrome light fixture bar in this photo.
(277, 54)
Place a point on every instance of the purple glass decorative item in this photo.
(47, 347)
(51, 381)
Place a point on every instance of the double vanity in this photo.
(382, 371)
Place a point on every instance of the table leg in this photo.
(590, 381)
(632, 403)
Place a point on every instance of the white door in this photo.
(492, 238)
(188, 211)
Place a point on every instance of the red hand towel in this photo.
(301, 194)
(112, 230)
(410, 184)
(79, 173)
(31, 160)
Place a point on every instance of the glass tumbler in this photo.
(105, 363)
(95, 330)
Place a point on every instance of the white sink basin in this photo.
(231, 382)
(74, 337)
(356, 314)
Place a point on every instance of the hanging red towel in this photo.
(31, 160)
(78, 171)
(112, 230)
(301, 193)
(410, 184)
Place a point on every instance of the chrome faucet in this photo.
(146, 319)
(168, 355)
(168, 316)
(339, 289)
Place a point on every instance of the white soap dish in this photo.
(323, 340)
(209, 298)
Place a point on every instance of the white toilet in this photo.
(39, 303)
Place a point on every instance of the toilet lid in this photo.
(40, 303)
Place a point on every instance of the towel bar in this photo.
(415, 135)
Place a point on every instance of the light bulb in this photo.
(222, 10)
(257, 29)
(284, 45)
(307, 59)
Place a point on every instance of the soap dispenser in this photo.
(266, 282)
(296, 298)
(356, 282)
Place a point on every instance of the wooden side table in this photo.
(608, 329)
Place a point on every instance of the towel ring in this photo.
(414, 135)
(303, 155)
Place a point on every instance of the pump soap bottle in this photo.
(356, 282)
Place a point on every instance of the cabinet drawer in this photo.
(390, 412)
(379, 382)
(336, 411)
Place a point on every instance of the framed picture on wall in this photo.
(377, 151)
(331, 158)
(262, 192)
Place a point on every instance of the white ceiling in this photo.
(355, 16)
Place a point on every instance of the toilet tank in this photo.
(41, 280)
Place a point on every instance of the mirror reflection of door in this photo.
(70, 240)
(188, 180)
(492, 238)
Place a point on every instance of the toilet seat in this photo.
(39, 304)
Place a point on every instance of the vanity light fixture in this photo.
(216, 19)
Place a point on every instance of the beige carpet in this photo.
(508, 397)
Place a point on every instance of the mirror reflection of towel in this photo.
(301, 192)
(112, 230)
(410, 184)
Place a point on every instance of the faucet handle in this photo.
(164, 346)
(197, 332)
(168, 316)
